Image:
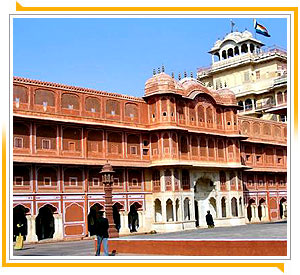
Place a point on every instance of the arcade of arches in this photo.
(181, 202)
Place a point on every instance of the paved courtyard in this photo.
(267, 231)
(276, 230)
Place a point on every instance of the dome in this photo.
(161, 83)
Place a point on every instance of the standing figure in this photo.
(19, 239)
(209, 220)
(101, 230)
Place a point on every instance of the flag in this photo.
(260, 29)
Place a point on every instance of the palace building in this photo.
(179, 151)
(256, 75)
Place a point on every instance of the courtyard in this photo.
(256, 233)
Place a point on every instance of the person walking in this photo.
(101, 230)
(209, 220)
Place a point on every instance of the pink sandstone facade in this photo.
(179, 151)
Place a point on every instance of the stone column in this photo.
(192, 209)
(31, 232)
(163, 210)
(174, 210)
(253, 104)
(255, 214)
(212, 59)
(141, 221)
(124, 229)
(58, 227)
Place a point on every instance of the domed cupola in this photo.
(161, 83)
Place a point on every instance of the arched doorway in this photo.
(45, 222)
(249, 209)
(223, 205)
(157, 209)
(116, 215)
(282, 208)
(133, 217)
(234, 209)
(213, 207)
(19, 218)
(169, 210)
(187, 215)
(196, 213)
(261, 209)
(92, 217)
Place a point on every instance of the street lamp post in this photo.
(108, 179)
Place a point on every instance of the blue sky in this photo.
(118, 55)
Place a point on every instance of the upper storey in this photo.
(238, 50)
(184, 105)
(235, 43)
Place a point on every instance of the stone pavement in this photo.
(266, 231)
(275, 230)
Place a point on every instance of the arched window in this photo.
(256, 129)
(203, 147)
(217, 56)
(223, 204)
(21, 135)
(47, 176)
(236, 50)
(230, 150)
(133, 145)
(20, 94)
(187, 215)
(92, 104)
(267, 130)
(209, 116)
(285, 96)
(112, 107)
(166, 144)
(194, 146)
(185, 180)
(201, 117)
(211, 148)
(46, 137)
(94, 141)
(72, 139)
(70, 101)
(168, 180)
(234, 209)
(219, 117)
(230, 52)
(169, 211)
(156, 180)
(154, 145)
(44, 97)
(115, 143)
(220, 149)
(174, 144)
(183, 145)
(251, 48)
(244, 48)
(192, 113)
(180, 112)
(248, 104)
(224, 56)
(240, 103)
(164, 108)
(279, 98)
(158, 210)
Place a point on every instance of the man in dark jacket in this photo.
(209, 220)
(101, 230)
